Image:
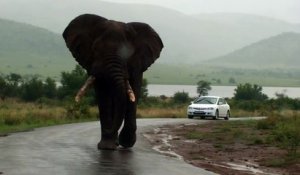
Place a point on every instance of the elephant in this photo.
(115, 55)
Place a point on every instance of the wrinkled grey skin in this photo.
(114, 53)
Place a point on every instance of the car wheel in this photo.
(190, 116)
(216, 115)
(227, 115)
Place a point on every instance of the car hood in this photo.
(203, 105)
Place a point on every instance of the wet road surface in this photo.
(71, 149)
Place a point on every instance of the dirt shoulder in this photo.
(202, 146)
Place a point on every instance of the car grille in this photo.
(199, 113)
(201, 108)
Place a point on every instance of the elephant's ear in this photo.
(147, 45)
(79, 35)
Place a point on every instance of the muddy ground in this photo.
(232, 159)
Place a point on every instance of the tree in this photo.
(32, 89)
(249, 92)
(13, 85)
(72, 81)
(203, 87)
(231, 80)
(14, 78)
(144, 90)
(3, 88)
(49, 87)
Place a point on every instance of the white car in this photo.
(209, 106)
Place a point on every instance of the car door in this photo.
(222, 107)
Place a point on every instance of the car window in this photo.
(221, 101)
(206, 100)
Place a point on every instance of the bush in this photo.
(287, 134)
(181, 97)
(268, 123)
(249, 92)
(12, 120)
(78, 110)
(144, 90)
(153, 102)
(284, 103)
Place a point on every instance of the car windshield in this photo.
(206, 100)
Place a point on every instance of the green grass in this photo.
(16, 115)
(195, 135)
(19, 116)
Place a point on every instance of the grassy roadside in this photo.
(16, 115)
(279, 131)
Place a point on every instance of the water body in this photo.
(223, 91)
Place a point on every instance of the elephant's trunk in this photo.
(110, 88)
(115, 70)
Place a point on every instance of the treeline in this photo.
(246, 97)
(33, 88)
(250, 97)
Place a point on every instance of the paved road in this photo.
(71, 149)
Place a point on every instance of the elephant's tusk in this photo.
(130, 92)
(83, 89)
(131, 95)
(91, 80)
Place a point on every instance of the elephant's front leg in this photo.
(108, 134)
(111, 117)
(112, 107)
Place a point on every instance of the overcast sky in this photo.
(288, 10)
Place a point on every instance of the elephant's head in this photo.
(105, 48)
(115, 55)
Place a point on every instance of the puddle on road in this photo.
(246, 167)
(161, 143)
(166, 148)
(250, 167)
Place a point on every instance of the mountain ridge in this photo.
(28, 49)
(282, 51)
(187, 39)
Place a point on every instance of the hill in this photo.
(280, 51)
(187, 38)
(27, 49)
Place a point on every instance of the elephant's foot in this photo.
(127, 138)
(107, 144)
